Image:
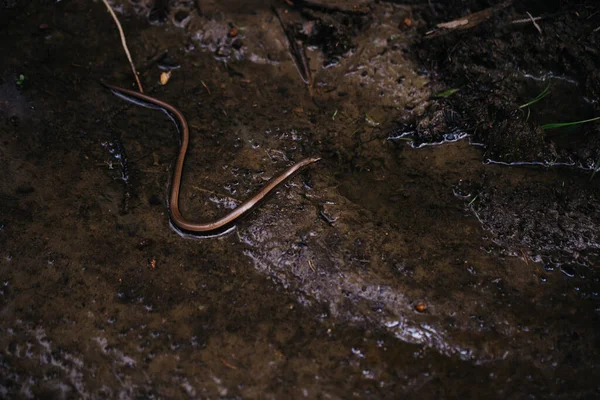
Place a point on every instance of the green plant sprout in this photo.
(540, 96)
(21, 80)
(472, 201)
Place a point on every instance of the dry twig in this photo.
(534, 23)
(225, 363)
(526, 20)
(466, 22)
(205, 87)
(124, 43)
(297, 52)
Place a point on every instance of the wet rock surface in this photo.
(383, 271)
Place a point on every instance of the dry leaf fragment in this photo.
(164, 77)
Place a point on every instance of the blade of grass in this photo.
(540, 96)
(446, 93)
(563, 124)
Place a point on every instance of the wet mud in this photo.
(445, 245)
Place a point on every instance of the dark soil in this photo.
(393, 268)
(500, 65)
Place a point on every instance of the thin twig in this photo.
(205, 87)
(524, 256)
(225, 363)
(526, 20)
(124, 43)
(297, 52)
(466, 22)
(268, 155)
(534, 23)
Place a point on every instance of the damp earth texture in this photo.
(446, 245)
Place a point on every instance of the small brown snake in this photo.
(176, 216)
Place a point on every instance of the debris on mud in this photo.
(498, 64)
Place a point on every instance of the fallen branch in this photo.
(466, 22)
(124, 43)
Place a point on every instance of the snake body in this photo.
(176, 216)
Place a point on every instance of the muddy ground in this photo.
(446, 244)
